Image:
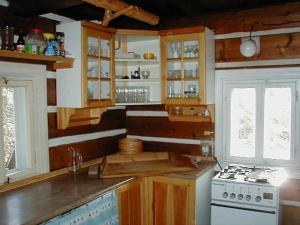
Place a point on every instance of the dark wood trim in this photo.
(162, 127)
(281, 46)
(145, 108)
(89, 150)
(51, 91)
(189, 149)
(280, 15)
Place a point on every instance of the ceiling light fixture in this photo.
(249, 47)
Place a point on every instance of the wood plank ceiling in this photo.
(166, 9)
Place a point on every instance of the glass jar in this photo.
(35, 42)
(7, 37)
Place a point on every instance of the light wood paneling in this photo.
(131, 203)
(172, 200)
(112, 119)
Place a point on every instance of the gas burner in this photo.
(227, 175)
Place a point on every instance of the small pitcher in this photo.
(75, 159)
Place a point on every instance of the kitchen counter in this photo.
(38, 202)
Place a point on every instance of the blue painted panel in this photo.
(101, 211)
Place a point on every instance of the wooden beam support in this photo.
(122, 8)
(109, 16)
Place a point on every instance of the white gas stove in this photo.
(243, 195)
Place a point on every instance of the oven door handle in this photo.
(247, 209)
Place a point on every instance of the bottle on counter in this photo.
(60, 38)
(52, 44)
(7, 37)
(35, 42)
(20, 42)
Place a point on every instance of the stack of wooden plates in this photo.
(129, 146)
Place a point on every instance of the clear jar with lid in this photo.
(36, 40)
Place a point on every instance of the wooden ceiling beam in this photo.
(122, 8)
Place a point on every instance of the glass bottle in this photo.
(20, 42)
(7, 36)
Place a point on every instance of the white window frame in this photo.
(39, 135)
(261, 77)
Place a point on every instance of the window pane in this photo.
(242, 122)
(15, 127)
(277, 123)
(9, 134)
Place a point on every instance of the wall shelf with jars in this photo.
(137, 65)
(90, 83)
(188, 70)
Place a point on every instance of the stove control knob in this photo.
(225, 194)
(258, 199)
(232, 195)
(248, 197)
(240, 197)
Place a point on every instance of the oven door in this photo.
(231, 215)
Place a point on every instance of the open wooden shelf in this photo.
(71, 117)
(58, 62)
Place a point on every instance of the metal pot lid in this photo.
(259, 175)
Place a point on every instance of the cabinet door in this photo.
(172, 201)
(98, 67)
(183, 68)
(131, 202)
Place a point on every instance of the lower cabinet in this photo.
(157, 200)
(172, 201)
(132, 202)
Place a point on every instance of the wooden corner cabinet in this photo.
(165, 200)
(187, 67)
(90, 83)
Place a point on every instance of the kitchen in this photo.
(154, 112)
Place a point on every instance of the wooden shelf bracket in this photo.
(73, 117)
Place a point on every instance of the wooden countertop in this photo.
(38, 202)
(203, 167)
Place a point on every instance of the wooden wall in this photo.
(90, 149)
(161, 129)
(283, 46)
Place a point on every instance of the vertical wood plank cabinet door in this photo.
(172, 201)
(131, 202)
